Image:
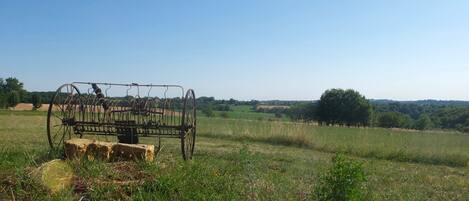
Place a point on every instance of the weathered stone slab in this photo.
(108, 151)
(76, 148)
(99, 150)
(121, 151)
(55, 175)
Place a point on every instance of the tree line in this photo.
(350, 108)
(335, 107)
(12, 93)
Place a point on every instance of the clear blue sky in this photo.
(402, 50)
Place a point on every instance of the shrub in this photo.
(13, 99)
(224, 115)
(207, 111)
(393, 120)
(343, 181)
(3, 100)
(278, 115)
(36, 101)
(424, 122)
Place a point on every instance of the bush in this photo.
(13, 99)
(278, 115)
(302, 111)
(3, 100)
(424, 122)
(393, 120)
(207, 111)
(344, 107)
(36, 101)
(224, 115)
(344, 181)
(222, 107)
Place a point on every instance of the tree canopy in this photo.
(11, 92)
(344, 107)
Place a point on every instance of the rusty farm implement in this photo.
(140, 111)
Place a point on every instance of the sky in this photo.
(287, 50)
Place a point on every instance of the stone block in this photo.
(108, 151)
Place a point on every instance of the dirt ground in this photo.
(272, 106)
(29, 106)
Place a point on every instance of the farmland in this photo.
(240, 159)
(243, 112)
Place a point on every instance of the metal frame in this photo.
(95, 113)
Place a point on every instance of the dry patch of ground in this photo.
(29, 106)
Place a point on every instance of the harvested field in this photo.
(29, 106)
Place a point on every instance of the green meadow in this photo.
(246, 159)
(244, 112)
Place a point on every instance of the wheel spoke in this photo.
(60, 107)
(70, 134)
(57, 132)
(62, 139)
(61, 118)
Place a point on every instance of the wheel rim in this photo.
(189, 124)
(61, 109)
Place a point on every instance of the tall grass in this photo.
(450, 149)
(223, 170)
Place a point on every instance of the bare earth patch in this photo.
(29, 106)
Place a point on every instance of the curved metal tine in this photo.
(148, 94)
(127, 92)
(165, 102)
(138, 91)
(167, 88)
(107, 89)
(69, 91)
(72, 90)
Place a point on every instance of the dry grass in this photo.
(29, 106)
(410, 146)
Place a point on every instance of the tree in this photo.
(338, 106)
(393, 120)
(301, 111)
(232, 101)
(226, 108)
(36, 101)
(13, 84)
(207, 111)
(2, 88)
(424, 122)
(11, 92)
(13, 98)
(3, 100)
(278, 115)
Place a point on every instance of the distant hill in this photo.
(423, 102)
(429, 102)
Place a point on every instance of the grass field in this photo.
(248, 160)
(244, 112)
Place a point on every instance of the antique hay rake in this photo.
(95, 112)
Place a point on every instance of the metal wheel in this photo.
(188, 129)
(61, 115)
(158, 147)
